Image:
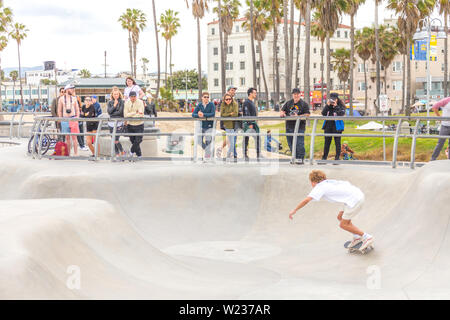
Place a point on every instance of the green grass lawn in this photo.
(365, 148)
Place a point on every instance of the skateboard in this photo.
(356, 248)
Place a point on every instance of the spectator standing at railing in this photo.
(115, 110)
(249, 110)
(444, 105)
(334, 108)
(88, 111)
(232, 92)
(294, 108)
(229, 108)
(68, 108)
(98, 108)
(131, 86)
(205, 110)
(54, 111)
(134, 108)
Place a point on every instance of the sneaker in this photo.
(355, 242)
(84, 148)
(366, 243)
(300, 161)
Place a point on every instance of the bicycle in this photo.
(47, 143)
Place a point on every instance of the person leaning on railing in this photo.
(68, 108)
(54, 111)
(205, 109)
(88, 111)
(115, 110)
(444, 104)
(229, 108)
(134, 108)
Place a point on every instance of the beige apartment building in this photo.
(239, 60)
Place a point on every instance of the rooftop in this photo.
(100, 82)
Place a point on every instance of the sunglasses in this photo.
(228, 99)
(206, 97)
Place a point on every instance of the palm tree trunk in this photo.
(322, 70)
(171, 73)
(287, 71)
(263, 74)
(446, 57)
(199, 60)
(130, 45)
(297, 58)
(403, 83)
(252, 44)
(1, 80)
(135, 58)
(328, 65)
(385, 80)
(166, 71)
(20, 79)
(291, 42)
(277, 66)
(377, 54)
(352, 57)
(223, 51)
(157, 48)
(306, 68)
(366, 98)
(225, 55)
(408, 83)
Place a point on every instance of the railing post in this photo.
(196, 132)
(11, 126)
(413, 145)
(397, 133)
(113, 141)
(99, 128)
(42, 132)
(20, 126)
(213, 141)
(313, 142)
(294, 141)
(35, 134)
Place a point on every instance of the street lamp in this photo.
(425, 34)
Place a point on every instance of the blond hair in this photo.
(317, 176)
(116, 89)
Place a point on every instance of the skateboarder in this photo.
(343, 192)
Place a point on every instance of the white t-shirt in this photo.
(337, 191)
(134, 88)
(444, 104)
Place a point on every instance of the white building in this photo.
(239, 59)
(33, 78)
(10, 93)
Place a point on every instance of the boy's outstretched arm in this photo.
(300, 205)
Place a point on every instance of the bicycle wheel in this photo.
(45, 144)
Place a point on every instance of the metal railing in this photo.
(17, 121)
(43, 122)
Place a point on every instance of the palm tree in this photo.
(404, 51)
(352, 9)
(19, 33)
(389, 49)
(363, 39)
(84, 73)
(252, 43)
(262, 22)
(227, 11)
(329, 13)
(274, 7)
(342, 64)
(444, 9)
(377, 55)
(170, 23)
(304, 7)
(287, 71)
(410, 13)
(157, 48)
(199, 7)
(320, 33)
(5, 23)
(134, 21)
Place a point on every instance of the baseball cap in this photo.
(94, 97)
(296, 90)
(69, 86)
(231, 87)
(132, 94)
(334, 96)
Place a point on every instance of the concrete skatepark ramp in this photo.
(83, 230)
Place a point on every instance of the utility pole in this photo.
(105, 65)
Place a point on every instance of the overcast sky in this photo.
(76, 34)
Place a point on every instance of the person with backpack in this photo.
(334, 108)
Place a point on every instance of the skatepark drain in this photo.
(229, 250)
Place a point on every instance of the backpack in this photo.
(61, 149)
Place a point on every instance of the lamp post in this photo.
(425, 34)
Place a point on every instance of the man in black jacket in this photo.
(294, 108)
(249, 110)
(334, 108)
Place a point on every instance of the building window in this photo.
(242, 65)
(315, 50)
(242, 49)
(397, 66)
(237, 29)
(346, 34)
(257, 49)
(314, 80)
(314, 65)
(397, 85)
(338, 34)
(216, 51)
(361, 86)
(242, 82)
(361, 67)
(258, 65)
(216, 67)
(230, 50)
(229, 81)
(216, 82)
(213, 31)
(229, 66)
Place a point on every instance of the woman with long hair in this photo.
(115, 110)
(229, 108)
(131, 85)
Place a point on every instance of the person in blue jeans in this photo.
(334, 108)
(229, 108)
(205, 110)
(294, 108)
(268, 143)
